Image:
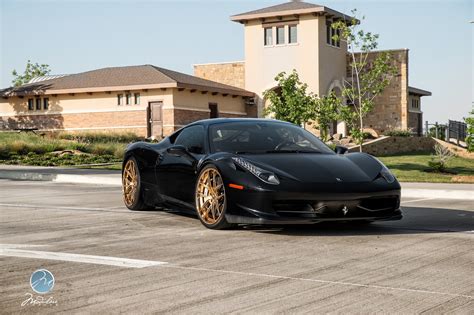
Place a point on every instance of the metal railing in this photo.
(453, 131)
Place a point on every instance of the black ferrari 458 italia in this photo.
(257, 171)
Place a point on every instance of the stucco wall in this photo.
(230, 73)
(198, 100)
(99, 111)
(84, 103)
(318, 64)
(331, 62)
(263, 63)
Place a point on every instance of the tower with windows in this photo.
(293, 35)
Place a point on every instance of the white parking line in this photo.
(9, 250)
(438, 193)
(417, 200)
(372, 286)
(58, 207)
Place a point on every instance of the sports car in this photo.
(257, 171)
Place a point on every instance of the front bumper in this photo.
(257, 206)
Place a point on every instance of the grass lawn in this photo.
(412, 168)
(63, 148)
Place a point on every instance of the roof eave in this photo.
(318, 10)
(230, 91)
(92, 89)
(420, 92)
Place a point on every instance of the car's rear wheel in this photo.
(211, 202)
(131, 186)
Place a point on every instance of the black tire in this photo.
(134, 201)
(221, 223)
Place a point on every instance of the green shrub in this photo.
(32, 149)
(100, 137)
(398, 133)
(441, 132)
(436, 166)
(440, 159)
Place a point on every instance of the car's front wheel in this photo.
(211, 202)
(131, 185)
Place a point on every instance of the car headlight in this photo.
(387, 175)
(264, 175)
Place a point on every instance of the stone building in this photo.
(298, 35)
(147, 100)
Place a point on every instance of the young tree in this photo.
(470, 131)
(326, 113)
(32, 70)
(291, 102)
(368, 77)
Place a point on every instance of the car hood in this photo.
(319, 168)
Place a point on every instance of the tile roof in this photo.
(292, 5)
(288, 8)
(46, 77)
(116, 78)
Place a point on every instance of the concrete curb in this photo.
(62, 178)
(115, 180)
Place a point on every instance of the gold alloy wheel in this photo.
(130, 183)
(210, 196)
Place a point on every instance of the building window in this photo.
(330, 33)
(45, 103)
(214, 110)
(268, 34)
(119, 99)
(38, 104)
(136, 97)
(292, 34)
(280, 38)
(30, 104)
(128, 99)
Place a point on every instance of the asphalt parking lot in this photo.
(108, 259)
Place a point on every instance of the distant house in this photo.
(298, 35)
(148, 100)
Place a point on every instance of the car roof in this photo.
(213, 121)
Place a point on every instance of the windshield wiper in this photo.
(247, 152)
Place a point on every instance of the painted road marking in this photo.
(369, 286)
(417, 200)
(438, 193)
(53, 207)
(13, 251)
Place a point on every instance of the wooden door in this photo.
(214, 110)
(155, 119)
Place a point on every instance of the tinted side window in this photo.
(192, 138)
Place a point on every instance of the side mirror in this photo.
(178, 150)
(340, 149)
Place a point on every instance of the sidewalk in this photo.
(61, 175)
(113, 178)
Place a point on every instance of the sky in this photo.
(79, 35)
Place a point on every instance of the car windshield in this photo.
(264, 137)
